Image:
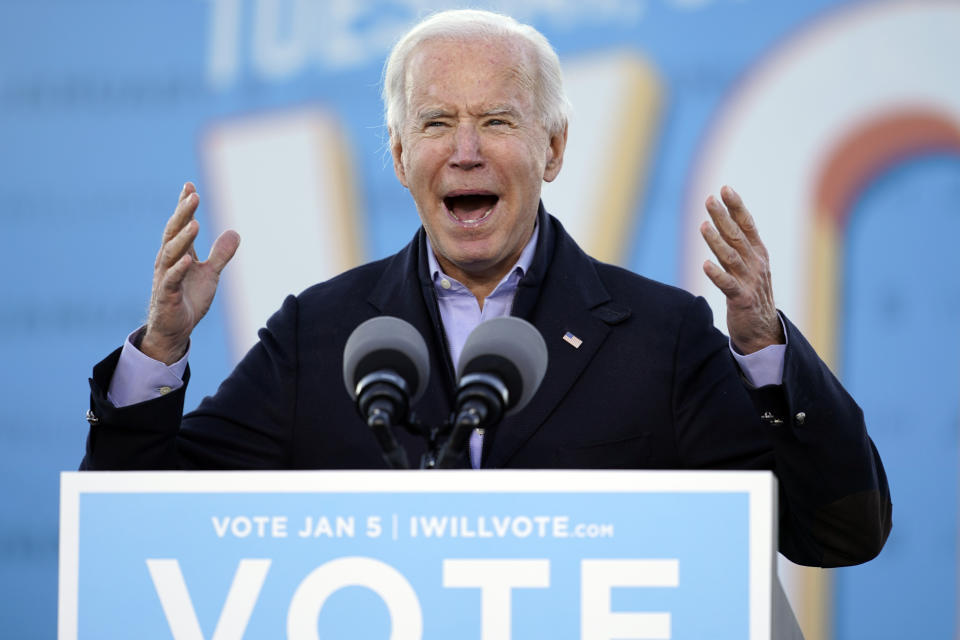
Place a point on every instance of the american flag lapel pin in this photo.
(572, 340)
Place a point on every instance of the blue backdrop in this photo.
(103, 105)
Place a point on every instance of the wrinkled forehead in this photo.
(490, 59)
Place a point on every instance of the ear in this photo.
(396, 150)
(558, 142)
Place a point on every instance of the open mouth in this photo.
(470, 208)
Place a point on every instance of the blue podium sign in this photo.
(410, 555)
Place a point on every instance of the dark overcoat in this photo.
(652, 386)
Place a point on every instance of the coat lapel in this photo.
(405, 291)
(562, 293)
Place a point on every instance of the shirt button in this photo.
(445, 283)
(800, 417)
(164, 390)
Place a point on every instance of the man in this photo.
(477, 121)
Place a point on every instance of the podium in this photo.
(410, 555)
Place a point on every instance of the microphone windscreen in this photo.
(390, 343)
(511, 348)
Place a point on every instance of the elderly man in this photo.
(477, 120)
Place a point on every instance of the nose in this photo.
(466, 153)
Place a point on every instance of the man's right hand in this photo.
(183, 287)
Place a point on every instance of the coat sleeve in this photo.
(834, 500)
(246, 424)
(823, 452)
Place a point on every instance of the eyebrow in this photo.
(500, 110)
(432, 114)
(497, 110)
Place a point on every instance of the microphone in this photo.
(385, 369)
(500, 368)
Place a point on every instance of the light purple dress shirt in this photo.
(460, 312)
(138, 377)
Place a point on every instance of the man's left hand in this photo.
(752, 320)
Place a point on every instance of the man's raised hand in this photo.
(183, 287)
(752, 320)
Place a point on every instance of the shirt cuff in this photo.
(764, 367)
(139, 378)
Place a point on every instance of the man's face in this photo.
(473, 152)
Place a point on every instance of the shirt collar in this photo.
(520, 268)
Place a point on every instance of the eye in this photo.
(497, 122)
(433, 124)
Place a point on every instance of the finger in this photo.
(728, 256)
(188, 188)
(729, 285)
(181, 216)
(175, 274)
(741, 214)
(727, 227)
(223, 250)
(180, 245)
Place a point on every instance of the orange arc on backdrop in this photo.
(872, 148)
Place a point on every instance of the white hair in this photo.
(465, 24)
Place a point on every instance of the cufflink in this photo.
(92, 418)
(769, 418)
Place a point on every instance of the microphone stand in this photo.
(429, 459)
(432, 435)
(381, 395)
(481, 399)
(382, 426)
